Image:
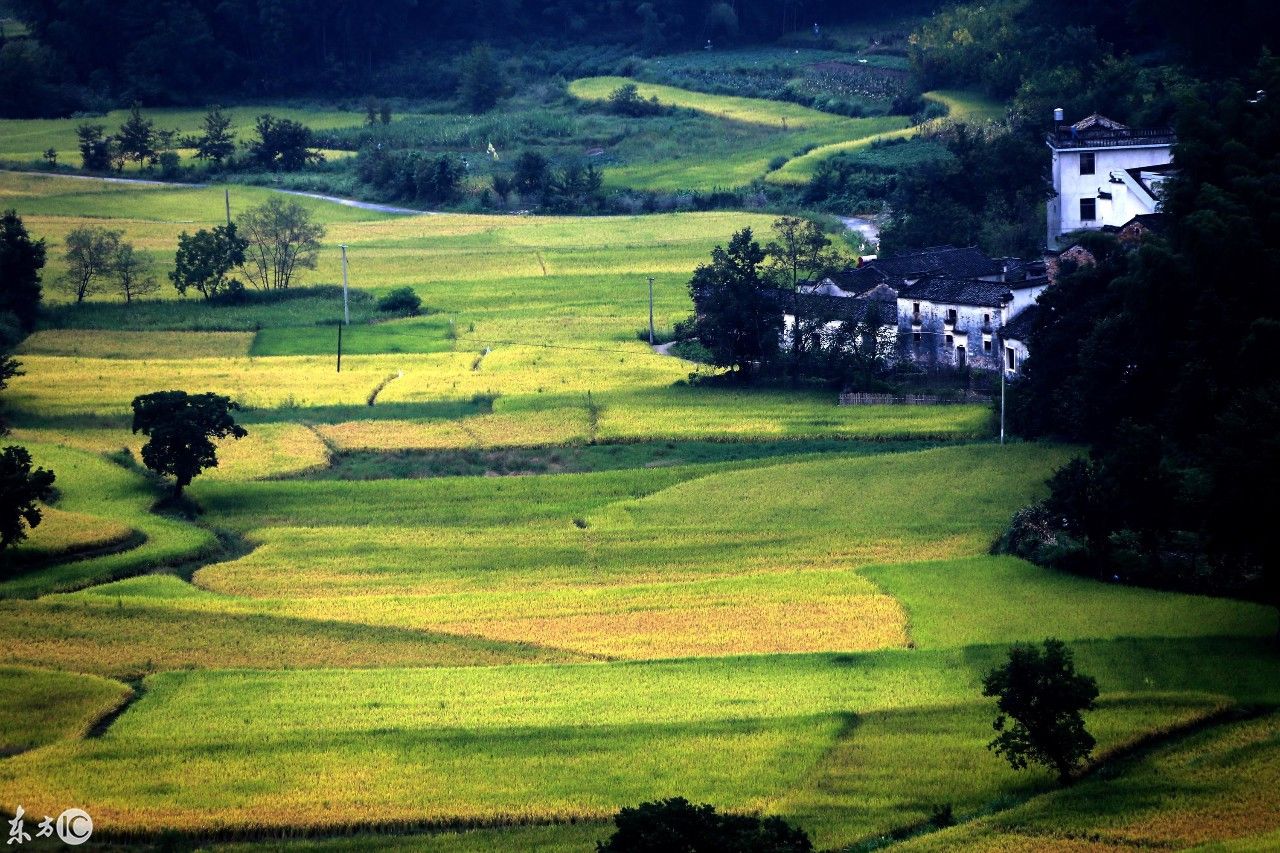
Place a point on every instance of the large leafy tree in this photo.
(799, 252)
(90, 258)
(1040, 699)
(205, 259)
(282, 144)
(738, 316)
(282, 238)
(22, 487)
(479, 80)
(21, 260)
(180, 430)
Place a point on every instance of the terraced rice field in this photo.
(500, 662)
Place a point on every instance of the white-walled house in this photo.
(944, 322)
(1104, 173)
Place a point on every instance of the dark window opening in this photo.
(916, 337)
(986, 319)
(950, 340)
(1088, 209)
(986, 346)
(951, 315)
(1009, 356)
(960, 360)
(1086, 163)
(915, 307)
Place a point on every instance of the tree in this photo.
(739, 319)
(90, 258)
(480, 81)
(180, 429)
(798, 253)
(96, 150)
(9, 368)
(216, 142)
(438, 179)
(137, 138)
(134, 272)
(282, 144)
(282, 238)
(532, 171)
(625, 100)
(678, 825)
(20, 489)
(1041, 692)
(21, 260)
(205, 258)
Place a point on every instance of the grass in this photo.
(23, 141)
(962, 107)
(752, 597)
(763, 130)
(1217, 786)
(40, 706)
(97, 488)
(261, 750)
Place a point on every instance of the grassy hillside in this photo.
(752, 597)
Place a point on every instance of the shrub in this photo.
(677, 824)
(402, 300)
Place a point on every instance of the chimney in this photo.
(1057, 115)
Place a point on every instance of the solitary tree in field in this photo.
(21, 488)
(738, 318)
(134, 272)
(799, 252)
(282, 238)
(90, 258)
(679, 825)
(205, 258)
(137, 138)
(1040, 697)
(180, 429)
(216, 142)
(21, 260)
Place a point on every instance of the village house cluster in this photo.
(955, 307)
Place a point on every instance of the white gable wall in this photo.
(1070, 186)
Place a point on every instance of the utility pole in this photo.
(339, 347)
(346, 307)
(650, 310)
(227, 195)
(1002, 404)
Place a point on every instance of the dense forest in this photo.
(186, 51)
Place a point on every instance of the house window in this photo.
(915, 336)
(1086, 163)
(1010, 358)
(950, 340)
(1088, 209)
(960, 359)
(951, 316)
(986, 319)
(915, 307)
(986, 346)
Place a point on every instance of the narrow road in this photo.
(332, 199)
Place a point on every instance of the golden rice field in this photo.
(500, 662)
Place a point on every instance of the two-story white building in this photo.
(1104, 173)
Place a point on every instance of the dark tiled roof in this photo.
(858, 279)
(968, 262)
(1098, 131)
(1154, 222)
(952, 291)
(1019, 328)
(828, 309)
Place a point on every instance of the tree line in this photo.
(173, 51)
(1160, 356)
